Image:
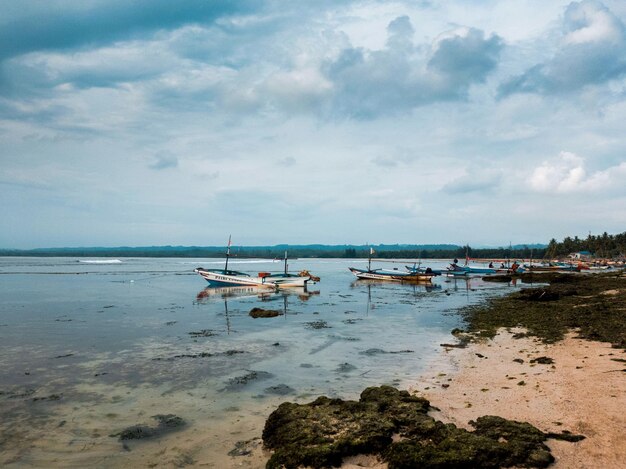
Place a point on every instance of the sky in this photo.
(154, 122)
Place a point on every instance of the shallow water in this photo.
(91, 347)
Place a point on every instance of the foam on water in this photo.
(100, 261)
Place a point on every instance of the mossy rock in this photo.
(323, 432)
(264, 313)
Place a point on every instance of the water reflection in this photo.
(213, 294)
(415, 286)
(209, 294)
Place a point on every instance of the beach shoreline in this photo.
(582, 391)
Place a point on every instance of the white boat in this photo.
(229, 278)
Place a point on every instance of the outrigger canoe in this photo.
(392, 275)
(232, 278)
(229, 278)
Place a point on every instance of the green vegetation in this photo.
(595, 305)
(384, 251)
(603, 246)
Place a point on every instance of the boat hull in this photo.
(221, 279)
(552, 269)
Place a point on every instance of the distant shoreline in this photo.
(347, 251)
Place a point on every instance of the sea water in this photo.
(92, 346)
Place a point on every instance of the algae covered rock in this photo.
(323, 432)
(264, 313)
(166, 424)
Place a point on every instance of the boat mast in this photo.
(369, 260)
(227, 253)
(508, 260)
(285, 262)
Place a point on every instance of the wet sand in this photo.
(583, 391)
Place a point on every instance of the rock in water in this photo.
(166, 424)
(264, 313)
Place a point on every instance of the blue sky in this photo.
(156, 122)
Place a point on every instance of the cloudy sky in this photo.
(156, 122)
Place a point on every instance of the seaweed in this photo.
(166, 424)
(548, 312)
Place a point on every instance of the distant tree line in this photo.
(460, 252)
(446, 251)
(602, 246)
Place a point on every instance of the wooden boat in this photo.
(229, 278)
(391, 275)
(468, 270)
(553, 268)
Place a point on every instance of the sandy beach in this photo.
(582, 391)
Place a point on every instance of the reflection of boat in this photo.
(224, 277)
(233, 292)
(417, 286)
(214, 293)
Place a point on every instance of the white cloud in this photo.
(592, 53)
(567, 174)
(591, 21)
